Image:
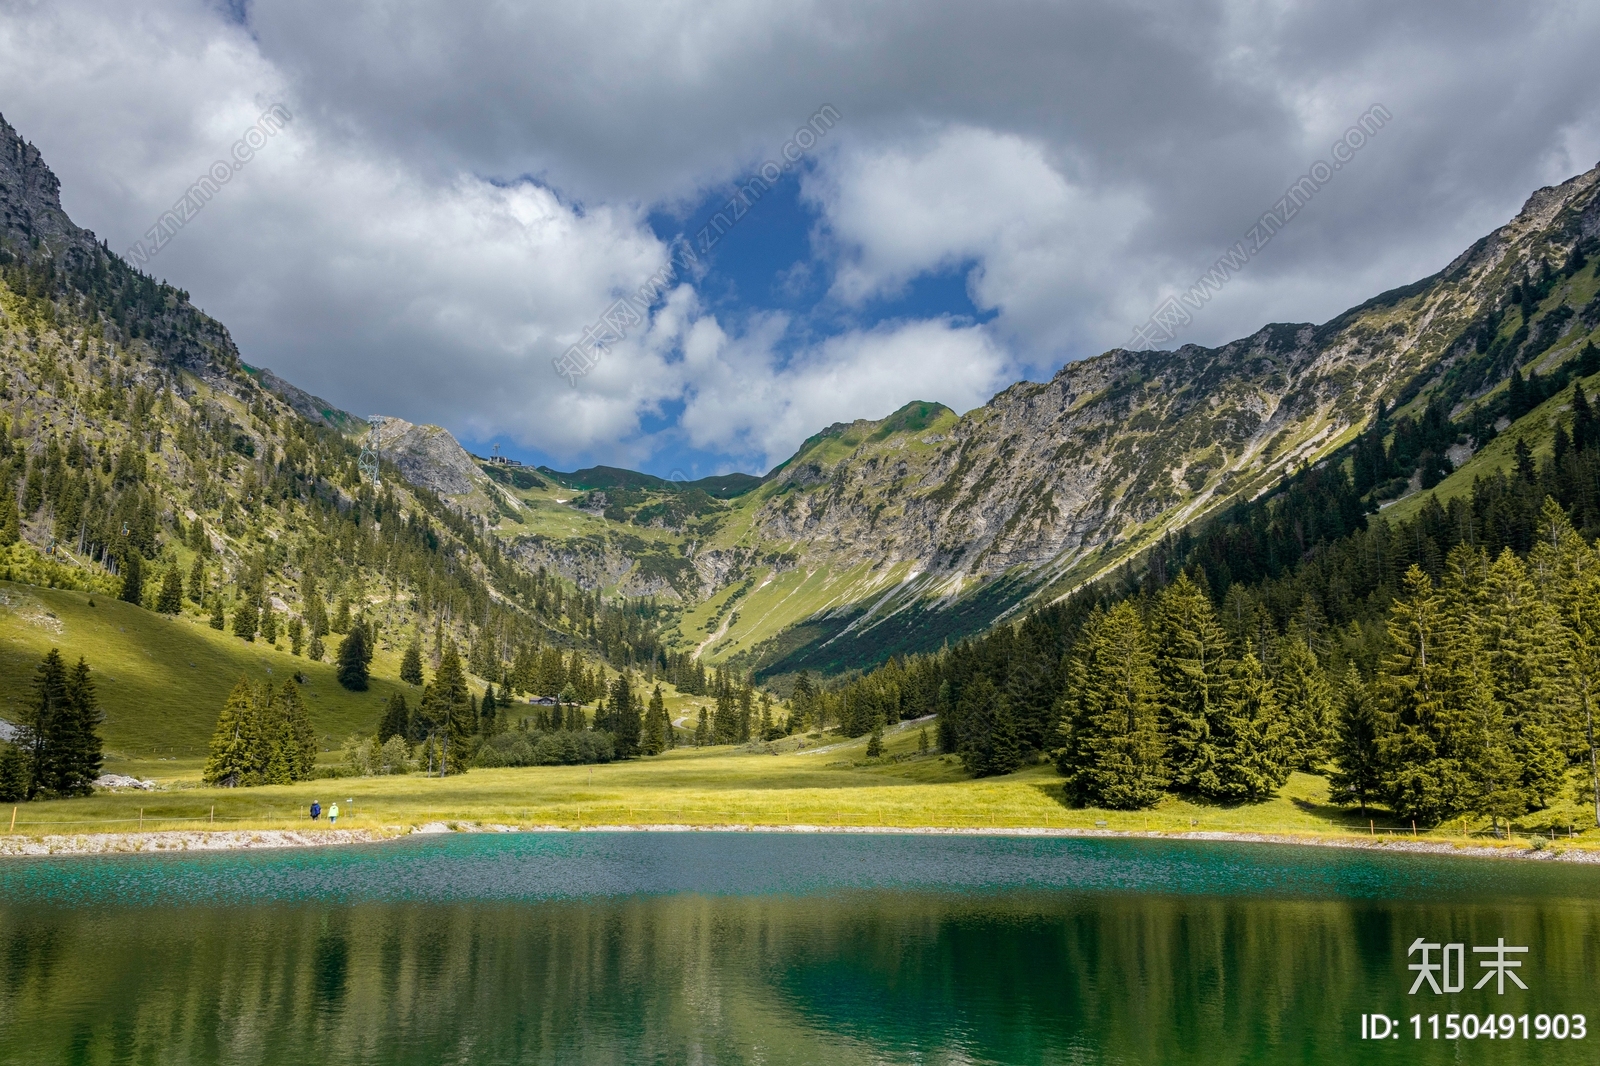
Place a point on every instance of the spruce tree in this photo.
(990, 745)
(230, 761)
(1253, 747)
(875, 741)
(1523, 649)
(447, 702)
(246, 617)
(352, 661)
(702, 730)
(1113, 751)
(197, 581)
(218, 622)
(170, 599)
(1357, 768)
(13, 771)
(411, 663)
(301, 736)
(625, 718)
(269, 622)
(1307, 700)
(656, 725)
(132, 578)
(10, 520)
(44, 716)
(297, 634)
(396, 720)
(80, 754)
(1192, 669)
(487, 713)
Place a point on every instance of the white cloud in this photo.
(399, 247)
(746, 399)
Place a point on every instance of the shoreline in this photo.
(170, 841)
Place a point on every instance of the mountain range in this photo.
(895, 535)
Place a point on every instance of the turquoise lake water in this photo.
(786, 948)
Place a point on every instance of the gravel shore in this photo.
(238, 839)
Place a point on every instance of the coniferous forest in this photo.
(1439, 667)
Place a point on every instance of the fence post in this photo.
(13, 819)
(213, 814)
(141, 819)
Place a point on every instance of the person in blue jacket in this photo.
(316, 810)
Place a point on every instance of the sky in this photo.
(463, 190)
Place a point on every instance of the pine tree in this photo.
(269, 622)
(1445, 752)
(197, 581)
(297, 634)
(170, 599)
(1523, 648)
(702, 730)
(447, 702)
(79, 755)
(301, 732)
(875, 741)
(315, 651)
(625, 718)
(132, 578)
(1113, 750)
(487, 713)
(1253, 743)
(218, 622)
(1192, 670)
(656, 725)
(352, 662)
(246, 617)
(1358, 769)
(411, 663)
(990, 744)
(13, 769)
(1307, 701)
(10, 520)
(230, 761)
(42, 716)
(396, 720)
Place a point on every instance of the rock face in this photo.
(1132, 444)
(430, 458)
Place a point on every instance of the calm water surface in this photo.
(752, 948)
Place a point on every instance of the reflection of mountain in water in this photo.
(1268, 955)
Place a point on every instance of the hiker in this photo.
(333, 814)
(316, 810)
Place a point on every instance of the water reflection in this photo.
(829, 972)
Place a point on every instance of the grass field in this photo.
(828, 783)
(162, 680)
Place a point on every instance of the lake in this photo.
(790, 948)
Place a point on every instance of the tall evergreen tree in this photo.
(170, 599)
(488, 713)
(301, 733)
(447, 702)
(1253, 746)
(246, 616)
(42, 720)
(625, 718)
(352, 664)
(13, 770)
(79, 752)
(10, 520)
(1304, 694)
(411, 663)
(990, 745)
(197, 581)
(218, 622)
(1193, 669)
(1358, 769)
(1113, 751)
(396, 720)
(231, 760)
(132, 578)
(656, 725)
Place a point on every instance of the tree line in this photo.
(56, 749)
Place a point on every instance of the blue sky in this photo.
(465, 186)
